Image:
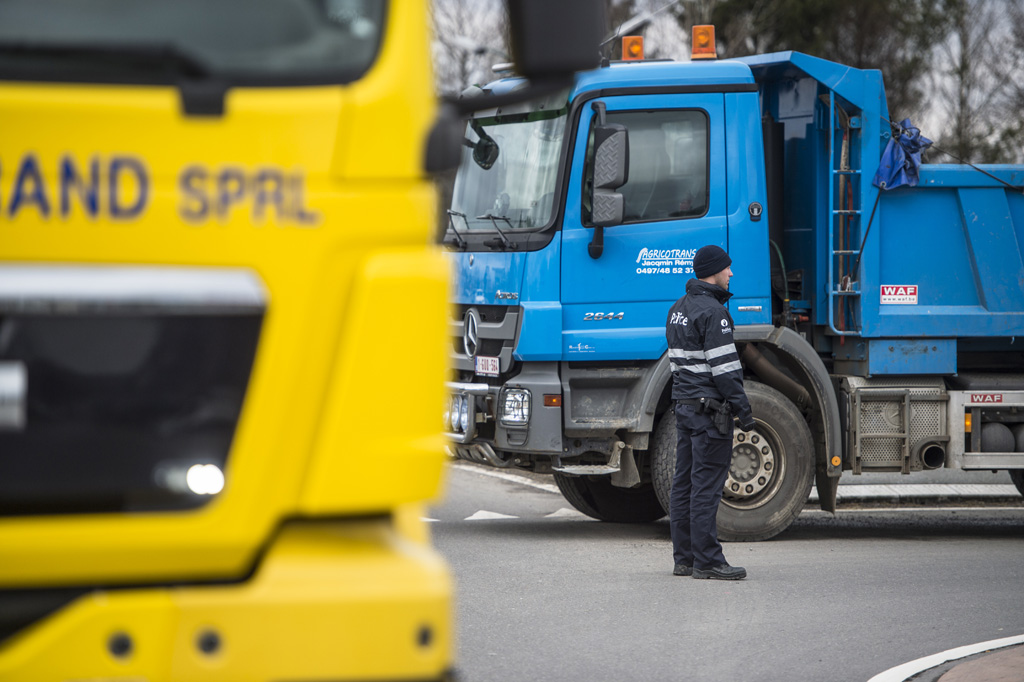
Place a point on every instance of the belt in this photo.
(701, 401)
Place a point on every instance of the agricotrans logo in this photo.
(665, 254)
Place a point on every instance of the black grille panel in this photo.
(119, 406)
(498, 334)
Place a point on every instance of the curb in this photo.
(908, 670)
(907, 492)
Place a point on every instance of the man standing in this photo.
(707, 385)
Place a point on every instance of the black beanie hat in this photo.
(710, 260)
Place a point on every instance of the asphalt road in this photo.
(552, 595)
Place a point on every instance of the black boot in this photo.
(720, 572)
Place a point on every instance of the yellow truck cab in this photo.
(223, 334)
(215, 266)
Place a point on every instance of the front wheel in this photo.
(771, 472)
(596, 497)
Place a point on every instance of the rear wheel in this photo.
(771, 472)
(596, 497)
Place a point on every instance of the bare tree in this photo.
(1011, 103)
(662, 27)
(895, 36)
(470, 36)
(955, 66)
(978, 83)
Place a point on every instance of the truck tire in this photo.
(1017, 476)
(771, 474)
(663, 457)
(596, 497)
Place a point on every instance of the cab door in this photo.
(614, 305)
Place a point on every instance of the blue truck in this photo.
(880, 330)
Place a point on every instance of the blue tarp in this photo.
(901, 160)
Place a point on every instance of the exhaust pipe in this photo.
(932, 454)
(771, 375)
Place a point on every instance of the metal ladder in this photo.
(896, 396)
(841, 219)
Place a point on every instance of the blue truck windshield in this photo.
(509, 169)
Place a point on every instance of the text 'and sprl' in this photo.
(120, 188)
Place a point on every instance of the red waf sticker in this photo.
(986, 397)
(899, 294)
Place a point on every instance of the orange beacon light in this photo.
(703, 43)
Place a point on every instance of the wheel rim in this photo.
(757, 469)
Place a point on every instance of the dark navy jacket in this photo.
(705, 363)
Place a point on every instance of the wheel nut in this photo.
(764, 450)
(750, 488)
(767, 466)
(741, 437)
(735, 487)
(760, 481)
(754, 439)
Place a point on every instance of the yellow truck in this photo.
(223, 339)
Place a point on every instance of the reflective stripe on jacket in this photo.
(705, 362)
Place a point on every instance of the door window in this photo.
(668, 165)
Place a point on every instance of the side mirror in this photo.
(552, 40)
(485, 153)
(485, 149)
(611, 171)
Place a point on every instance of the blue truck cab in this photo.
(880, 330)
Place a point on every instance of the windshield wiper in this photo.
(505, 241)
(459, 241)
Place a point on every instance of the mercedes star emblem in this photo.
(471, 335)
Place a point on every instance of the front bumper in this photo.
(485, 434)
(330, 600)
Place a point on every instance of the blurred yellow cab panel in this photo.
(215, 265)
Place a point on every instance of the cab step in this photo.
(587, 469)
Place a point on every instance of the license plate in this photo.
(487, 366)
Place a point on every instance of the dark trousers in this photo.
(702, 464)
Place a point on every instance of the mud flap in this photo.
(627, 476)
(827, 487)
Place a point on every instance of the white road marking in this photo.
(506, 476)
(908, 670)
(566, 513)
(484, 515)
(428, 520)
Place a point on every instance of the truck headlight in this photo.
(205, 479)
(515, 407)
(454, 413)
(464, 414)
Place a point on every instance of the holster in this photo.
(721, 414)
